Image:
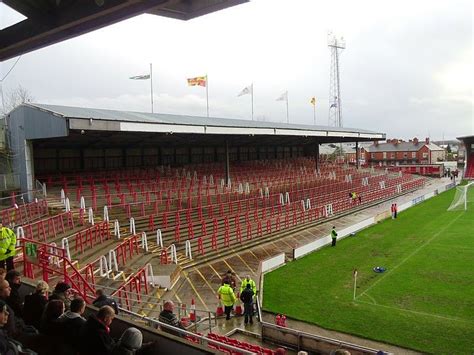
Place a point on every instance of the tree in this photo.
(15, 98)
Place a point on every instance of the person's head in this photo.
(3, 272)
(3, 314)
(106, 314)
(333, 227)
(247, 277)
(78, 305)
(132, 338)
(42, 287)
(168, 306)
(280, 351)
(4, 289)
(13, 277)
(99, 293)
(342, 352)
(229, 273)
(54, 309)
(62, 287)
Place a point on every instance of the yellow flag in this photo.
(313, 101)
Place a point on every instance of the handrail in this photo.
(202, 339)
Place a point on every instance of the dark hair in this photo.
(77, 304)
(99, 292)
(2, 305)
(62, 287)
(11, 274)
(53, 310)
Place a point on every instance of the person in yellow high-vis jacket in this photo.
(227, 296)
(248, 280)
(7, 247)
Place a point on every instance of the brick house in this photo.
(395, 152)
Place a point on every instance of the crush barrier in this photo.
(24, 213)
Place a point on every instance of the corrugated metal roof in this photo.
(160, 118)
(401, 147)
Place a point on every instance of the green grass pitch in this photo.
(425, 299)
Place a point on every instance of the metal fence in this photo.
(9, 182)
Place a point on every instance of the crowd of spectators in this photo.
(55, 323)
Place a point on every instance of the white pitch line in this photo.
(390, 272)
(416, 312)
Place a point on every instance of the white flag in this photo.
(246, 90)
(283, 97)
(140, 77)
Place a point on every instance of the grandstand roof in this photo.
(126, 121)
(401, 147)
(52, 21)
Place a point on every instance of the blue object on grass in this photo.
(379, 269)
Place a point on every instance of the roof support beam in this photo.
(61, 23)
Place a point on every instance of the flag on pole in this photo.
(313, 101)
(198, 81)
(283, 97)
(247, 90)
(140, 77)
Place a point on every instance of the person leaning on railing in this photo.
(7, 247)
(168, 317)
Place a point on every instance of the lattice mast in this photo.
(336, 45)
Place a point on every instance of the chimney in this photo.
(427, 140)
(415, 141)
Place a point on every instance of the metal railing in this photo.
(198, 339)
(9, 182)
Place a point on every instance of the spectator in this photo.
(168, 317)
(61, 292)
(49, 321)
(95, 333)
(7, 247)
(227, 296)
(247, 298)
(130, 341)
(72, 321)
(6, 347)
(229, 279)
(14, 300)
(248, 281)
(10, 326)
(103, 300)
(340, 352)
(35, 304)
(3, 273)
(333, 236)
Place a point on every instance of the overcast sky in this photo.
(406, 70)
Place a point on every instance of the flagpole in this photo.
(151, 85)
(287, 114)
(252, 99)
(207, 94)
(314, 112)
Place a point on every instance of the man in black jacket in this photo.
(71, 322)
(95, 333)
(103, 300)
(247, 298)
(168, 317)
(14, 300)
